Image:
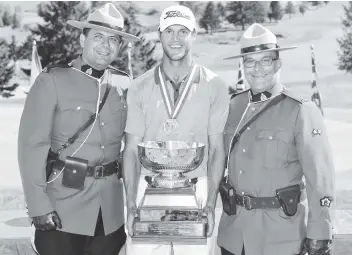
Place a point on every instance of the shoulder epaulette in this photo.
(48, 68)
(293, 96)
(238, 93)
(118, 71)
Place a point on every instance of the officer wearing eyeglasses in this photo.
(279, 168)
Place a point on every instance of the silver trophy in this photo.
(169, 211)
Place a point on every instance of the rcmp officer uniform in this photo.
(280, 168)
(63, 98)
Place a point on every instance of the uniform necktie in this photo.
(87, 69)
(257, 97)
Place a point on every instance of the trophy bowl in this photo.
(170, 159)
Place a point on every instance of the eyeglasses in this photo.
(266, 61)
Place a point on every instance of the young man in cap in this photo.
(79, 209)
(203, 101)
(274, 140)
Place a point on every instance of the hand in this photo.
(208, 212)
(131, 215)
(47, 222)
(316, 247)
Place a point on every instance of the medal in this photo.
(171, 124)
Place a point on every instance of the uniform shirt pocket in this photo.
(273, 148)
(72, 115)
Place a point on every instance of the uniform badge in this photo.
(325, 201)
(317, 132)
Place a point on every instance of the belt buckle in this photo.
(98, 172)
(247, 202)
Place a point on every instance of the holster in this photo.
(74, 173)
(227, 193)
(52, 157)
(289, 198)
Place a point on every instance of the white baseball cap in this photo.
(177, 15)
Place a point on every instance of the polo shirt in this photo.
(204, 112)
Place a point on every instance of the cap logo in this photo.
(173, 14)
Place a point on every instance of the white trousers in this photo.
(161, 249)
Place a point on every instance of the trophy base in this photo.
(170, 215)
(170, 239)
(172, 231)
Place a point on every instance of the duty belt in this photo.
(251, 202)
(97, 172)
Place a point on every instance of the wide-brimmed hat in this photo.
(177, 15)
(258, 39)
(106, 18)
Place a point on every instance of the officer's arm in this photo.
(34, 141)
(315, 157)
(217, 118)
(132, 169)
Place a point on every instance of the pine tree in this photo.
(16, 20)
(59, 43)
(7, 67)
(221, 11)
(242, 13)
(13, 48)
(290, 9)
(345, 43)
(302, 8)
(210, 20)
(195, 6)
(142, 51)
(315, 4)
(276, 11)
(6, 15)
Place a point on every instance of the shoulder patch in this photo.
(238, 93)
(48, 68)
(292, 95)
(117, 71)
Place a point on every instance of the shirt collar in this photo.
(156, 76)
(79, 64)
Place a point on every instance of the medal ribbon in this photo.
(173, 113)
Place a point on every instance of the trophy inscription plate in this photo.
(169, 211)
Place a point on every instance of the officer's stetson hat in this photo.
(258, 39)
(106, 18)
